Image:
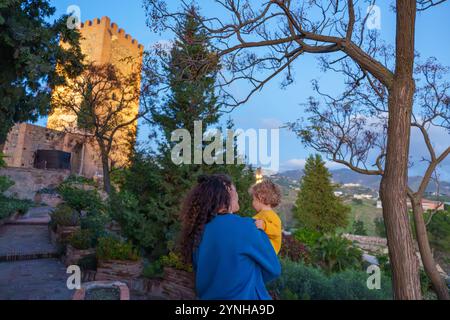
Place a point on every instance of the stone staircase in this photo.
(29, 264)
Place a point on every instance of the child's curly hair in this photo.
(267, 192)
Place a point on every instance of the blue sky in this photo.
(273, 106)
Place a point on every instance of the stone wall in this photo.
(29, 180)
(25, 139)
(369, 244)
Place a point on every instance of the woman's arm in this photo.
(259, 249)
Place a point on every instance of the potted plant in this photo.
(64, 222)
(79, 246)
(48, 196)
(178, 278)
(117, 260)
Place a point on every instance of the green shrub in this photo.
(383, 263)
(380, 228)
(65, 216)
(153, 270)
(74, 179)
(96, 223)
(293, 249)
(439, 230)
(307, 236)
(139, 223)
(5, 183)
(298, 281)
(9, 206)
(81, 239)
(358, 228)
(80, 199)
(112, 248)
(352, 285)
(335, 253)
(173, 260)
(425, 282)
(2, 160)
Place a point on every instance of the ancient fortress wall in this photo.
(25, 139)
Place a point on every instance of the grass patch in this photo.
(365, 211)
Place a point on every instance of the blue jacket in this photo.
(234, 260)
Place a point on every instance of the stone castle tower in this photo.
(102, 42)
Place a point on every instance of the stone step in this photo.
(20, 242)
(44, 279)
(31, 221)
(9, 257)
(34, 216)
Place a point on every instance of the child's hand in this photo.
(260, 224)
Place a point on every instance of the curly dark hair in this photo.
(202, 204)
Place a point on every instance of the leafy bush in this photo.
(9, 206)
(173, 260)
(352, 285)
(383, 263)
(334, 253)
(425, 282)
(74, 179)
(307, 236)
(65, 216)
(293, 249)
(439, 230)
(96, 224)
(80, 199)
(5, 183)
(380, 229)
(81, 239)
(153, 270)
(2, 160)
(139, 223)
(358, 228)
(112, 248)
(298, 281)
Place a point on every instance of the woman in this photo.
(232, 259)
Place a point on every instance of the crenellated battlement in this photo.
(113, 28)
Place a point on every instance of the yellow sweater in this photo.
(272, 227)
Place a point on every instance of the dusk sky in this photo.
(272, 106)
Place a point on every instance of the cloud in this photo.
(271, 123)
(440, 138)
(299, 163)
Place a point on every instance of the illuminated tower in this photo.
(102, 42)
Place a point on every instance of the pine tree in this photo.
(359, 228)
(317, 208)
(190, 72)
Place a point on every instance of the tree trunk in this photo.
(393, 188)
(105, 165)
(429, 264)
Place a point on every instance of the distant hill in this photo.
(345, 176)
